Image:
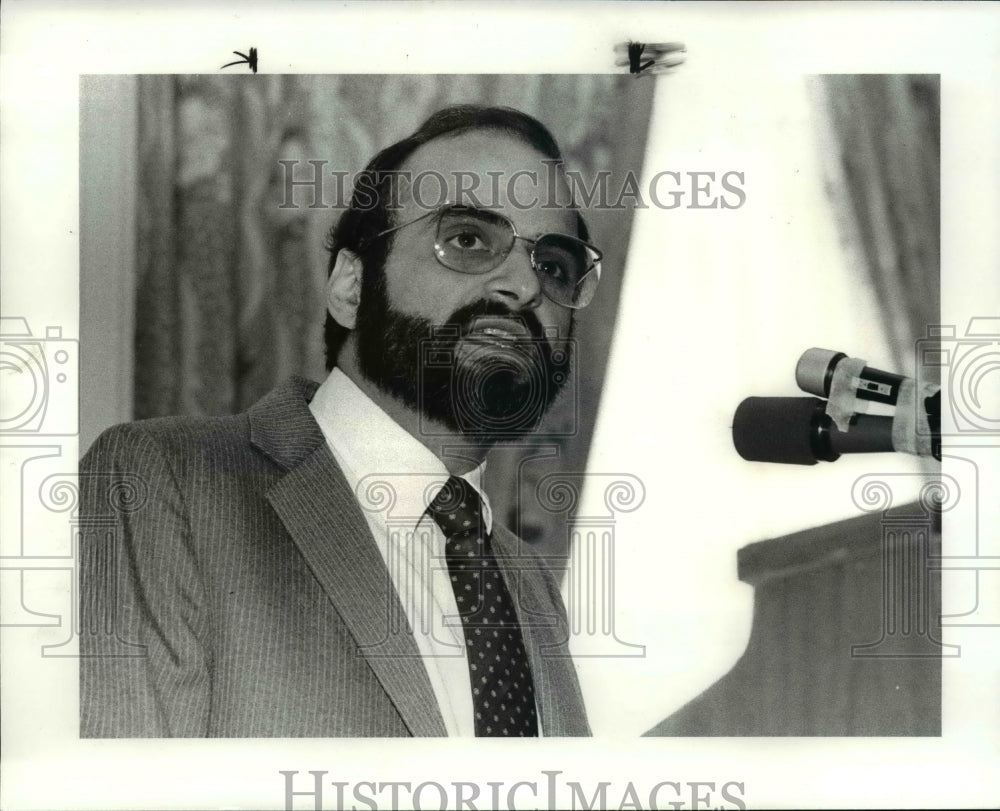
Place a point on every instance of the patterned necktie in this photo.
(503, 694)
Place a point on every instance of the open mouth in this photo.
(499, 328)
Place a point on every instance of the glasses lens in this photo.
(567, 268)
(472, 240)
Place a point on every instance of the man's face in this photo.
(483, 354)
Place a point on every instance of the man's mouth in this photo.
(499, 328)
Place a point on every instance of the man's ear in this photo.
(343, 289)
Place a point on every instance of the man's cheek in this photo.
(555, 322)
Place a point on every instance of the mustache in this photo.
(464, 317)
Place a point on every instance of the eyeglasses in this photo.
(476, 241)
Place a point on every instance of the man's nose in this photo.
(515, 282)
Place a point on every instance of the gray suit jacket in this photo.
(231, 587)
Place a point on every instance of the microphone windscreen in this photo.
(814, 370)
(776, 429)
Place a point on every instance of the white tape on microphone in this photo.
(843, 402)
(911, 432)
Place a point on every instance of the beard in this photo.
(494, 389)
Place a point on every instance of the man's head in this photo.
(454, 337)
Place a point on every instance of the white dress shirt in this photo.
(394, 478)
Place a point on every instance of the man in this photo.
(326, 564)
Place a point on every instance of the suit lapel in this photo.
(546, 635)
(322, 516)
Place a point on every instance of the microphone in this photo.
(804, 430)
(798, 431)
(820, 371)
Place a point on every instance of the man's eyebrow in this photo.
(572, 230)
(569, 231)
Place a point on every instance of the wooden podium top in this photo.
(845, 637)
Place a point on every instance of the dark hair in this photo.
(368, 215)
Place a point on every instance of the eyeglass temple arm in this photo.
(366, 242)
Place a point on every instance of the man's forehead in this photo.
(493, 169)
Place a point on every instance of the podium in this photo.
(845, 638)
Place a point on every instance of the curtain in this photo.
(884, 177)
(229, 298)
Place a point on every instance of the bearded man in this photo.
(326, 564)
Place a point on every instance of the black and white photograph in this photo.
(638, 395)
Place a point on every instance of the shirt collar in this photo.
(373, 447)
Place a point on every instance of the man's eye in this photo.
(554, 270)
(468, 241)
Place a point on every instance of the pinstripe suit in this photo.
(247, 597)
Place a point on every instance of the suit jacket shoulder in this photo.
(230, 587)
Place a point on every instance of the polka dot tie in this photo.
(503, 694)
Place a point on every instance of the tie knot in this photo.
(457, 508)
